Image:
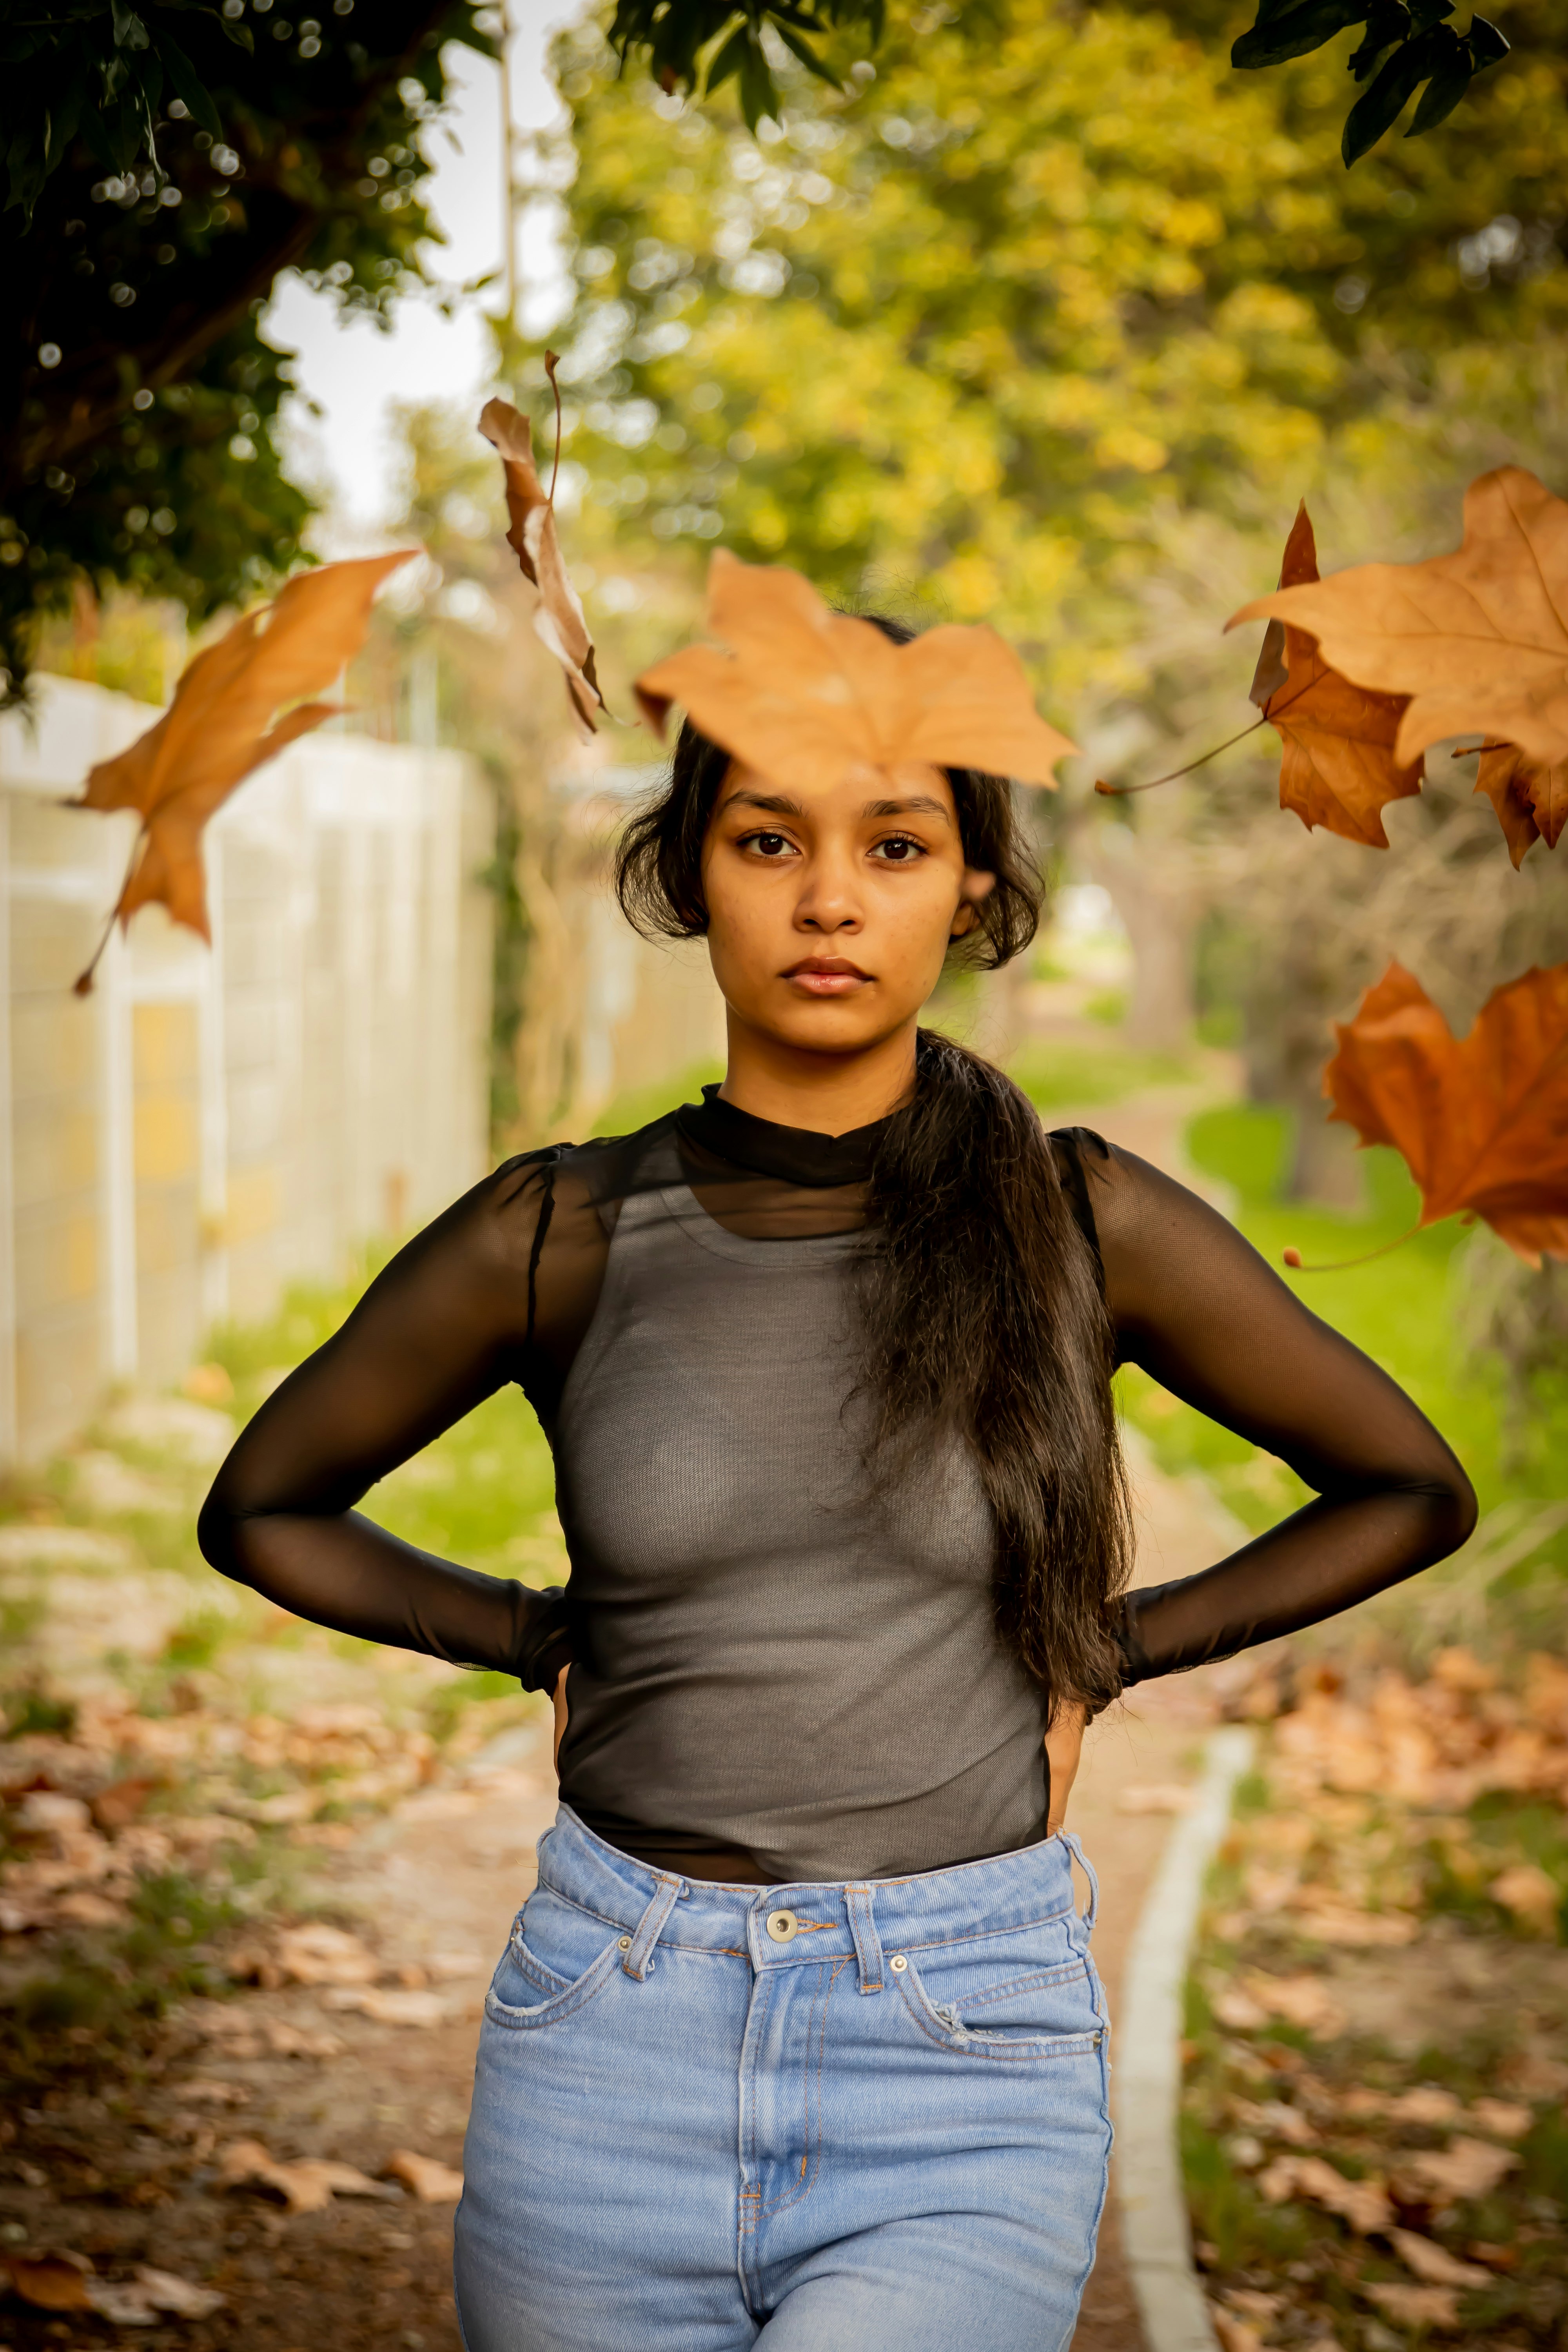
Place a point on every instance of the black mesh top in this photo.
(518, 1282)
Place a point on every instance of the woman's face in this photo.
(830, 910)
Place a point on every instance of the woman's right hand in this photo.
(558, 1698)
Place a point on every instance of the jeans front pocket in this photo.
(1047, 2010)
(556, 1958)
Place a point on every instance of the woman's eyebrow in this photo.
(917, 804)
(775, 803)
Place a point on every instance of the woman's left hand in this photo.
(1064, 1748)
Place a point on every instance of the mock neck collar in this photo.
(794, 1155)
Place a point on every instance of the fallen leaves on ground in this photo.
(1339, 768)
(432, 2182)
(229, 714)
(1433, 2263)
(394, 2006)
(1467, 2168)
(64, 2281)
(1481, 1122)
(807, 696)
(307, 2185)
(1302, 2001)
(1413, 2306)
(1478, 639)
(1363, 2205)
(559, 623)
(316, 1953)
(1157, 1796)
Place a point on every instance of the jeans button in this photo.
(899, 1964)
(781, 1925)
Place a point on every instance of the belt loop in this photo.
(638, 1960)
(868, 1943)
(1070, 1839)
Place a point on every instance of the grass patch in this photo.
(1063, 1076)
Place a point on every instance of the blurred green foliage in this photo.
(972, 338)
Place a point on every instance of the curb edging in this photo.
(1156, 2235)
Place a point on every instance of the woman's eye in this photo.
(899, 851)
(767, 845)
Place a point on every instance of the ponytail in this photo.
(983, 1311)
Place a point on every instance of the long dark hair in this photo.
(984, 1309)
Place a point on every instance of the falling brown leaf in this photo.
(224, 723)
(1478, 639)
(1338, 769)
(1530, 796)
(1481, 1122)
(1433, 2263)
(306, 2186)
(559, 621)
(1413, 2306)
(433, 2183)
(809, 696)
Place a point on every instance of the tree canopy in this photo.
(983, 325)
(699, 45)
(164, 166)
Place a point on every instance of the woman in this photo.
(798, 2038)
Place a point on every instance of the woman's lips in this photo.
(828, 976)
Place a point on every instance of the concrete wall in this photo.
(207, 1126)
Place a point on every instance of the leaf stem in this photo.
(1473, 751)
(82, 984)
(1121, 792)
(552, 361)
(1293, 1257)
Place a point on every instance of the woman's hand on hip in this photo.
(558, 1697)
(1064, 1748)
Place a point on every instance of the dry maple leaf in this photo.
(809, 696)
(223, 723)
(559, 621)
(1530, 796)
(1338, 769)
(1465, 2168)
(1481, 1122)
(1478, 639)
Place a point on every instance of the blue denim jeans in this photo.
(833, 2118)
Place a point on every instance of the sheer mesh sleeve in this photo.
(1197, 1307)
(482, 1297)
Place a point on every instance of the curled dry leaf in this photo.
(1530, 1894)
(1530, 796)
(1433, 2263)
(49, 2282)
(224, 723)
(433, 2183)
(1478, 639)
(559, 621)
(306, 2186)
(808, 696)
(1481, 1122)
(1339, 768)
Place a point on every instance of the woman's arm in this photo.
(449, 1321)
(1196, 1306)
